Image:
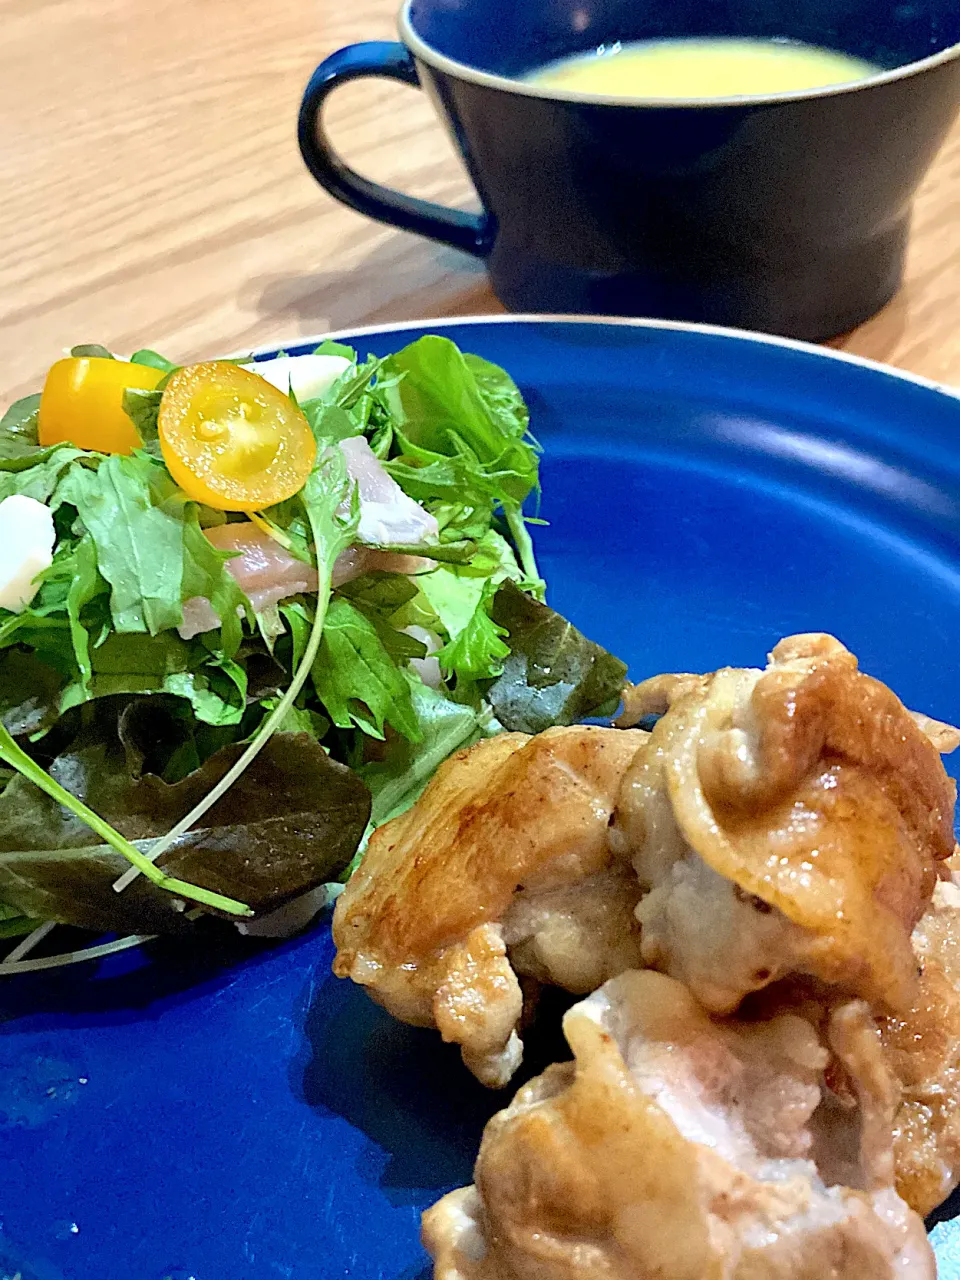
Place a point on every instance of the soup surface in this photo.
(701, 68)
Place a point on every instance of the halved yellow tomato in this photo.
(232, 440)
(82, 403)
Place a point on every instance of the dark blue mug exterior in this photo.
(788, 214)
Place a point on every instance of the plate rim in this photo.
(747, 336)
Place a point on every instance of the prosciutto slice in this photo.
(267, 573)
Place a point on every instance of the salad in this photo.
(246, 609)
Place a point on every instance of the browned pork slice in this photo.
(502, 867)
(923, 1050)
(677, 1147)
(785, 821)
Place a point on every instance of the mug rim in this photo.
(463, 71)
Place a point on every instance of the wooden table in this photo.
(152, 191)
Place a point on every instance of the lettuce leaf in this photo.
(553, 674)
(384, 599)
(153, 359)
(18, 434)
(478, 650)
(330, 348)
(85, 583)
(449, 404)
(288, 824)
(39, 481)
(354, 405)
(29, 692)
(462, 429)
(383, 593)
(139, 664)
(205, 575)
(455, 591)
(357, 680)
(142, 407)
(397, 781)
(150, 547)
(139, 541)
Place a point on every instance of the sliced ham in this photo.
(387, 514)
(267, 573)
(355, 561)
(262, 567)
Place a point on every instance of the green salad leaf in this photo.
(28, 770)
(355, 677)
(139, 540)
(85, 582)
(142, 407)
(149, 549)
(330, 348)
(553, 674)
(152, 359)
(92, 349)
(41, 480)
(478, 651)
(29, 693)
(18, 430)
(455, 592)
(452, 405)
(290, 822)
(383, 599)
(205, 575)
(397, 781)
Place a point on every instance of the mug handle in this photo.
(467, 231)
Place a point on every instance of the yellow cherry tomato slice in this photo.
(82, 403)
(232, 440)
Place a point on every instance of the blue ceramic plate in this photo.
(244, 1115)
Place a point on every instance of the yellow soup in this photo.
(695, 68)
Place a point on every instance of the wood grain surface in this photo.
(152, 190)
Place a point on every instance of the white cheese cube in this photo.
(308, 377)
(27, 537)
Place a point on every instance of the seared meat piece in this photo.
(785, 821)
(923, 1050)
(675, 1147)
(502, 867)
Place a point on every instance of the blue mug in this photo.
(787, 213)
